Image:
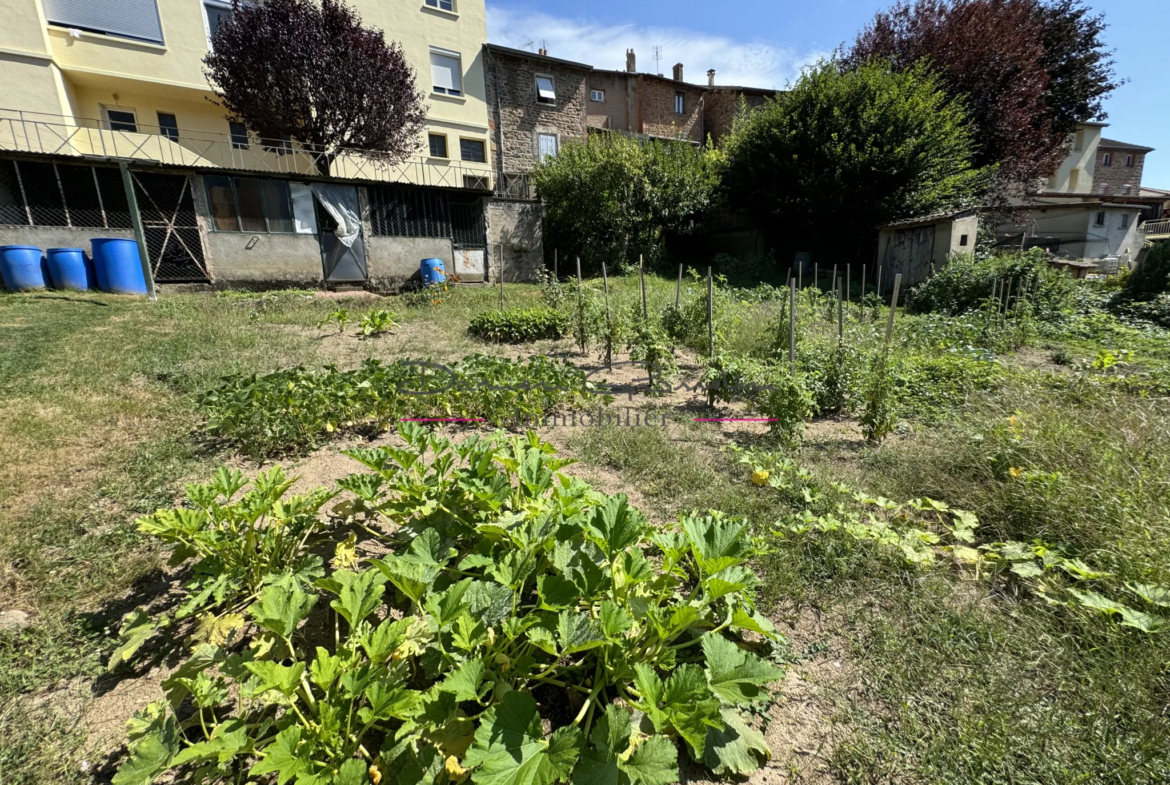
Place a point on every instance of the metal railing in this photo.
(34, 132)
(1156, 230)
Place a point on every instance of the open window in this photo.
(546, 91)
(120, 118)
(168, 126)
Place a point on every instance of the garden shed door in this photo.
(339, 228)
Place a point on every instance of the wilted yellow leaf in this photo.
(760, 477)
(216, 630)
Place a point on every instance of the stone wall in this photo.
(517, 118)
(1117, 175)
(517, 240)
(656, 108)
(722, 107)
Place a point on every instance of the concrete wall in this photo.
(516, 237)
(1082, 159)
(274, 259)
(56, 236)
(395, 260)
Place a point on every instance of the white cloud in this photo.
(740, 63)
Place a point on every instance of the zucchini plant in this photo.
(523, 628)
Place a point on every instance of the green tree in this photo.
(611, 198)
(846, 151)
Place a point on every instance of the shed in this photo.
(916, 247)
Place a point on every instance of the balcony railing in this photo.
(1156, 230)
(32, 132)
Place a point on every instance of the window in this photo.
(1129, 160)
(475, 182)
(546, 92)
(679, 103)
(1107, 159)
(597, 96)
(128, 18)
(438, 145)
(281, 146)
(1125, 220)
(446, 72)
(1125, 189)
(48, 194)
(1103, 188)
(962, 240)
(249, 204)
(473, 151)
(215, 14)
(442, 5)
(546, 146)
(239, 136)
(168, 126)
(1079, 141)
(1100, 220)
(1074, 179)
(120, 119)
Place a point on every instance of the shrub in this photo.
(965, 284)
(1152, 276)
(486, 644)
(789, 402)
(376, 322)
(878, 416)
(520, 325)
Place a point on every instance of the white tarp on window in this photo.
(130, 18)
(341, 202)
(304, 211)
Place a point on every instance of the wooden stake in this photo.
(817, 274)
(501, 277)
(556, 264)
(710, 314)
(848, 283)
(608, 322)
(800, 275)
(792, 326)
(833, 279)
(139, 234)
(893, 309)
(580, 304)
(645, 314)
(879, 282)
(861, 300)
(840, 314)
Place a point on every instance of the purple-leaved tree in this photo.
(310, 71)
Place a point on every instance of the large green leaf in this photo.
(152, 753)
(577, 632)
(136, 630)
(736, 748)
(286, 755)
(464, 681)
(556, 593)
(683, 703)
(359, 597)
(510, 748)
(584, 564)
(615, 621)
(488, 602)
(717, 542)
(285, 679)
(615, 526)
(227, 740)
(1157, 595)
(281, 609)
(448, 605)
(609, 760)
(389, 701)
(736, 675)
(411, 577)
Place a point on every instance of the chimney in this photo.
(543, 52)
(631, 63)
(678, 72)
(711, 78)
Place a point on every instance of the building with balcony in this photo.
(90, 84)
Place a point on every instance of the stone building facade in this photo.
(1118, 170)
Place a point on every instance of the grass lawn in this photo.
(952, 676)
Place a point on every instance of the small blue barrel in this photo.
(118, 265)
(69, 269)
(432, 272)
(21, 267)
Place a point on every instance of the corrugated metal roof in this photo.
(931, 218)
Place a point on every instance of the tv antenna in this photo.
(527, 45)
(657, 58)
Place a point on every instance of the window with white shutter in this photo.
(129, 18)
(446, 72)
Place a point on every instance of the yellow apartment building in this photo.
(87, 84)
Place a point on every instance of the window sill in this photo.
(440, 12)
(436, 160)
(454, 99)
(108, 38)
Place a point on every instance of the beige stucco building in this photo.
(102, 81)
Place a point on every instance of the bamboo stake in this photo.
(608, 321)
(710, 314)
(893, 310)
(792, 326)
(840, 315)
(678, 287)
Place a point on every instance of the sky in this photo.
(764, 43)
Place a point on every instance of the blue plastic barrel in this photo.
(69, 269)
(118, 265)
(21, 267)
(432, 272)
